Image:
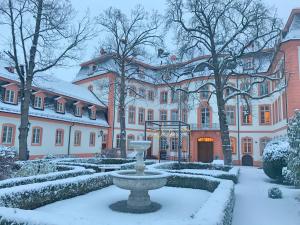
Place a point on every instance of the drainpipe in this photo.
(69, 141)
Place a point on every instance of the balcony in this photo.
(213, 126)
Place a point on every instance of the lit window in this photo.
(92, 138)
(77, 138)
(9, 96)
(59, 137)
(233, 145)
(265, 114)
(38, 102)
(36, 136)
(8, 134)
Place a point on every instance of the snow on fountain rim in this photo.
(154, 174)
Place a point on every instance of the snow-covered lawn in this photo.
(253, 207)
(178, 207)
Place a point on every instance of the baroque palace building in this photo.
(82, 118)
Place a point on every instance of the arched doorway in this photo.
(205, 149)
(247, 160)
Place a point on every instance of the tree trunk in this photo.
(122, 113)
(24, 123)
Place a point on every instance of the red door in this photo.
(205, 152)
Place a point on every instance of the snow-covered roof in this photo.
(293, 31)
(52, 84)
(51, 114)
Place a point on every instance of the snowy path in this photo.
(253, 207)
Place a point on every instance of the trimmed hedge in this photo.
(33, 196)
(77, 171)
(230, 173)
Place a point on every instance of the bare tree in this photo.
(127, 39)
(228, 31)
(42, 35)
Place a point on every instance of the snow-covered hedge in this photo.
(207, 169)
(275, 157)
(77, 171)
(131, 165)
(32, 196)
(96, 160)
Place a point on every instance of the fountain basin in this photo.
(129, 180)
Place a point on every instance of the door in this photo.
(247, 160)
(205, 151)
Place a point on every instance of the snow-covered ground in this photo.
(253, 207)
(178, 206)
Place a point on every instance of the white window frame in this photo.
(9, 96)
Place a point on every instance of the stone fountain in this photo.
(139, 182)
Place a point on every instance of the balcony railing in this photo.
(213, 126)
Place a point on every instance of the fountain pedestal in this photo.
(139, 182)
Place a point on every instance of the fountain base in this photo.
(122, 206)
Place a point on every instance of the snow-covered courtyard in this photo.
(178, 206)
(253, 207)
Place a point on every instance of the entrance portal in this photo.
(205, 150)
(247, 160)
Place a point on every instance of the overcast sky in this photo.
(95, 7)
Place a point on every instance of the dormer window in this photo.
(248, 63)
(38, 102)
(77, 110)
(9, 96)
(60, 107)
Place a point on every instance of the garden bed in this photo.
(32, 196)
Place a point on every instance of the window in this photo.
(174, 114)
(233, 145)
(8, 134)
(59, 137)
(248, 63)
(150, 115)
(265, 114)
(246, 116)
(263, 143)
(36, 136)
(163, 115)
(174, 144)
(60, 107)
(104, 141)
(263, 88)
(77, 138)
(9, 96)
(150, 95)
(130, 138)
(92, 138)
(184, 115)
(131, 114)
(164, 143)
(246, 86)
(93, 114)
(77, 111)
(204, 92)
(141, 116)
(132, 91)
(142, 93)
(247, 145)
(229, 91)
(118, 139)
(230, 115)
(164, 97)
(174, 96)
(205, 117)
(38, 102)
